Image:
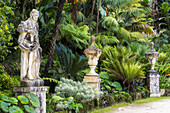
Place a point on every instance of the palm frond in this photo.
(139, 36)
(141, 27)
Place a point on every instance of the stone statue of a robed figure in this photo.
(31, 52)
(31, 57)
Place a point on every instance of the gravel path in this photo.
(161, 106)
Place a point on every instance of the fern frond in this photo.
(52, 80)
(109, 22)
(74, 35)
(105, 40)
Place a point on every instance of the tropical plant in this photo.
(70, 35)
(139, 49)
(11, 104)
(164, 82)
(108, 85)
(121, 63)
(163, 65)
(70, 63)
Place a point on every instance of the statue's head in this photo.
(34, 14)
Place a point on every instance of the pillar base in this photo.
(39, 91)
(153, 83)
(93, 80)
(155, 95)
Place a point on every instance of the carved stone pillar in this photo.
(92, 53)
(152, 75)
(40, 92)
(153, 83)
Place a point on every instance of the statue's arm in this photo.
(22, 28)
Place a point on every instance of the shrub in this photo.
(7, 82)
(72, 95)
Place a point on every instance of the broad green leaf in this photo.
(104, 75)
(13, 100)
(4, 106)
(117, 86)
(23, 99)
(15, 109)
(4, 97)
(34, 100)
(29, 109)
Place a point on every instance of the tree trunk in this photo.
(91, 16)
(54, 36)
(97, 26)
(155, 15)
(74, 11)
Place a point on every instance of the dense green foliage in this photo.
(21, 104)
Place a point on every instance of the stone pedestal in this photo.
(39, 91)
(153, 83)
(93, 80)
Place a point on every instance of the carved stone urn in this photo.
(152, 57)
(152, 75)
(92, 53)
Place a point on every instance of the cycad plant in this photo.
(70, 63)
(121, 63)
(163, 64)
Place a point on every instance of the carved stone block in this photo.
(153, 83)
(39, 91)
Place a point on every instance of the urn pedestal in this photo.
(93, 80)
(153, 83)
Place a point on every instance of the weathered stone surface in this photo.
(32, 83)
(92, 53)
(31, 52)
(153, 83)
(39, 91)
(93, 80)
(152, 56)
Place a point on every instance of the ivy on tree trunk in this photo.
(54, 36)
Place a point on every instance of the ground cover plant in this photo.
(21, 104)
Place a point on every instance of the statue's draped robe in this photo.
(30, 55)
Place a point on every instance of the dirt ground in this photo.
(161, 106)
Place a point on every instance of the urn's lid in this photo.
(152, 51)
(92, 49)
